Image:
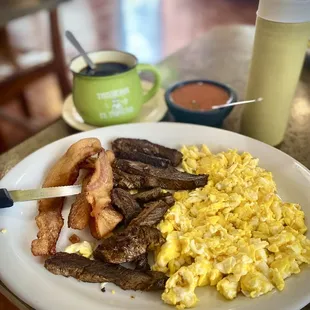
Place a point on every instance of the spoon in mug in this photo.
(80, 49)
(236, 103)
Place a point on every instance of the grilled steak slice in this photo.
(152, 214)
(86, 270)
(142, 262)
(147, 147)
(132, 181)
(169, 200)
(146, 196)
(144, 158)
(126, 204)
(129, 244)
(129, 181)
(168, 178)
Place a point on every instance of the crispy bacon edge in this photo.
(64, 172)
(98, 193)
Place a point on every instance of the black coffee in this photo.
(105, 69)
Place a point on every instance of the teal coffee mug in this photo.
(111, 94)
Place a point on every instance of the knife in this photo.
(7, 198)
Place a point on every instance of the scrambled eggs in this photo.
(235, 233)
(83, 248)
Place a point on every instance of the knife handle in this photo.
(6, 200)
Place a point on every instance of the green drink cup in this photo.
(111, 99)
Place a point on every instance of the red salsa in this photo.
(199, 96)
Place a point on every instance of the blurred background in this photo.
(34, 76)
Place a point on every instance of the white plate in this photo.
(152, 111)
(26, 277)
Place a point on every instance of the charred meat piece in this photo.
(147, 147)
(132, 181)
(169, 200)
(126, 204)
(128, 181)
(144, 158)
(152, 214)
(146, 196)
(154, 194)
(142, 262)
(129, 244)
(86, 270)
(74, 239)
(168, 178)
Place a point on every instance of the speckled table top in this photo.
(222, 54)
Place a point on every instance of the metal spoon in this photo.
(235, 103)
(80, 49)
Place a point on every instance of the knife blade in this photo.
(7, 198)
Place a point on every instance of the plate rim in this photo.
(6, 280)
(160, 124)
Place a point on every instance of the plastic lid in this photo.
(285, 11)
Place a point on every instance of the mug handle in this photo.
(155, 87)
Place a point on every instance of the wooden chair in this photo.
(13, 87)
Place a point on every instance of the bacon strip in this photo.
(88, 164)
(98, 193)
(80, 210)
(104, 224)
(64, 172)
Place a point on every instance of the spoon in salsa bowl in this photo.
(191, 101)
(236, 103)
